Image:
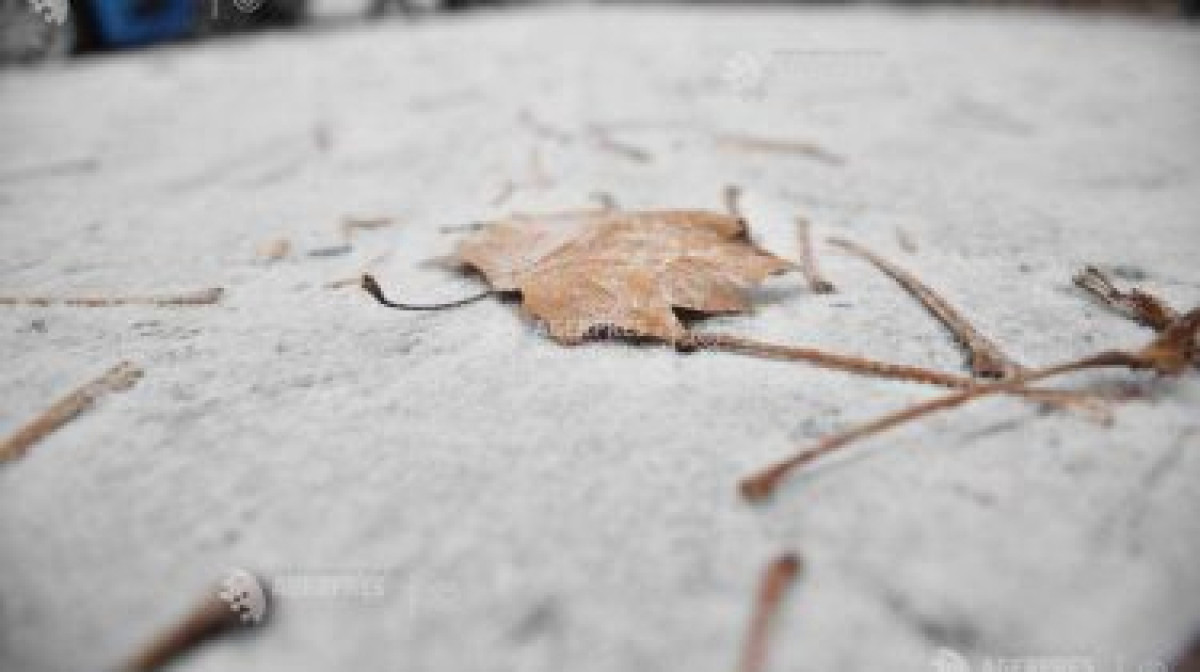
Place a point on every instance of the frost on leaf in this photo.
(594, 272)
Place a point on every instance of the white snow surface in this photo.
(453, 491)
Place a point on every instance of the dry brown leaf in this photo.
(594, 272)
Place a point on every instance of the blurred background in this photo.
(37, 30)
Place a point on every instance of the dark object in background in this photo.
(225, 16)
(37, 30)
(31, 30)
(1189, 660)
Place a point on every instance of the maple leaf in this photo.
(591, 273)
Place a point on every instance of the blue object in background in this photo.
(121, 23)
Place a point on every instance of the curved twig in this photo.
(372, 287)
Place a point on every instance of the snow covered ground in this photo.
(453, 491)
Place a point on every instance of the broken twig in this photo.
(605, 141)
(350, 225)
(732, 196)
(1141, 307)
(216, 613)
(779, 576)
(986, 358)
(808, 261)
(606, 201)
(120, 377)
(201, 297)
(752, 143)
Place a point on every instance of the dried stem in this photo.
(986, 358)
(605, 141)
(777, 578)
(830, 360)
(544, 129)
(777, 146)
(211, 617)
(372, 287)
(732, 196)
(351, 224)
(1176, 346)
(120, 377)
(201, 297)
(503, 193)
(762, 484)
(1135, 304)
(808, 261)
(606, 201)
(877, 369)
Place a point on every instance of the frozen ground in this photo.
(508, 504)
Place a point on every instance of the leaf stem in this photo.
(372, 287)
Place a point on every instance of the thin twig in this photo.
(732, 196)
(986, 358)
(752, 143)
(829, 360)
(372, 287)
(808, 261)
(1141, 307)
(1167, 354)
(543, 129)
(503, 193)
(201, 297)
(211, 617)
(778, 577)
(120, 377)
(878, 369)
(351, 224)
(604, 140)
(606, 201)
